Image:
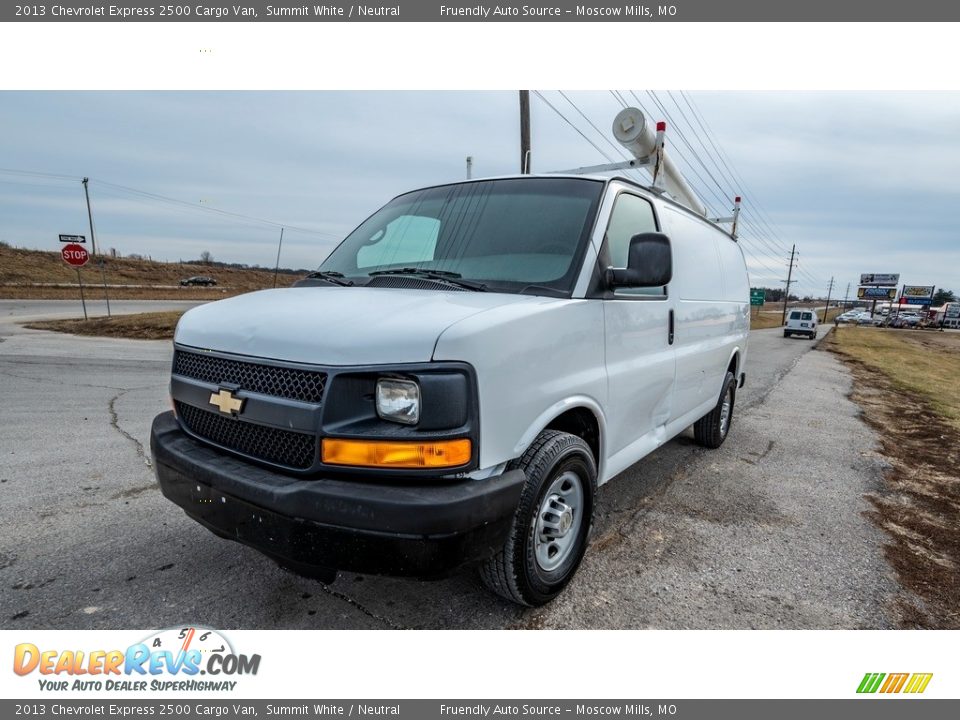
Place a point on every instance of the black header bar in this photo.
(465, 11)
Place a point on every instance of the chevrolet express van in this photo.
(801, 322)
(457, 379)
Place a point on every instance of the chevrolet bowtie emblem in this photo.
(226, 402)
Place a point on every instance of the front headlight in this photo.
(398, 400)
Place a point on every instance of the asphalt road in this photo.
(765, 532)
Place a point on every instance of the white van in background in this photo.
(801, 322)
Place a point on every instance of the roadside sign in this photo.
(73, 238)
(876, 293)
(880, 279)
(918, 294)
(75, 255)
(757, 296)
(953, 310)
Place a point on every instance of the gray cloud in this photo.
(861, 182)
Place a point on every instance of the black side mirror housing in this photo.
(649, 263)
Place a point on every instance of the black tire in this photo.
(710, 430)
(515, 572)
(786, 334)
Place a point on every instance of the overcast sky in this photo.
(860, 182)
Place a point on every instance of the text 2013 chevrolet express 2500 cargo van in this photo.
(458, 378)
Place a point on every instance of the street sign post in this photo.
(76, 256)
(757, 296)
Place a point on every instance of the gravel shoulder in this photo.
(766, 532)
(769, 531)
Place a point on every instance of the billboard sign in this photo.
(877, 293)
(880, 279)
(917, 292)
(953, 310)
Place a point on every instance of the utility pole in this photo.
(786, 293)
(469, 167)
(525, 132)
(93, 241)
(276, 268)
(845, 296)
(827, 308)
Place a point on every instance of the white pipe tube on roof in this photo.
(631, 130)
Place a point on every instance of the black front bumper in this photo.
(417, 528)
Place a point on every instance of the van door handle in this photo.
(670, 334)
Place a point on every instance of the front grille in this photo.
(292, 383)
(281, 447)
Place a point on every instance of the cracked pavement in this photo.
(765, 532)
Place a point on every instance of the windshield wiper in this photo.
(331, 276)
(451, 278)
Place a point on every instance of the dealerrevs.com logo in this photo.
(170, 660)
(910, 683)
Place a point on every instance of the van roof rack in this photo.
(631, 130)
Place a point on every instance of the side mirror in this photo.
(649, 263)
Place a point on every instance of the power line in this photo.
(578, 130)
(711, 136)
(156, 197)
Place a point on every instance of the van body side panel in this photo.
(736, 285)
(704, 319)
(528, 360)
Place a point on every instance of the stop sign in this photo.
(75, 255)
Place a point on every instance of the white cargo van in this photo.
(801, 322)
(457, 379)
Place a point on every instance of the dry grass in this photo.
(926, 363)
(141, 326)
(21, 272)
(905, 383)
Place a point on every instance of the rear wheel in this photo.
(550, 528)
(786, 334)
(712, 429)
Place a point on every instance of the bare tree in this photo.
(206, 258)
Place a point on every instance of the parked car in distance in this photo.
(849, 316)
(198, 280)
(866, 319)
(801, 322)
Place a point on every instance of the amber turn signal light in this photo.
(382, 454)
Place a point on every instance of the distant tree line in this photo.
(206, 258)
(943, 296)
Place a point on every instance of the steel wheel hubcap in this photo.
(725, 411)
(557, 524)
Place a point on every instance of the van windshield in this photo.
(512, 235)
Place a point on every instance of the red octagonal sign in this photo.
(75, 255)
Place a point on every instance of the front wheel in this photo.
(712, 429)
(552, 523)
